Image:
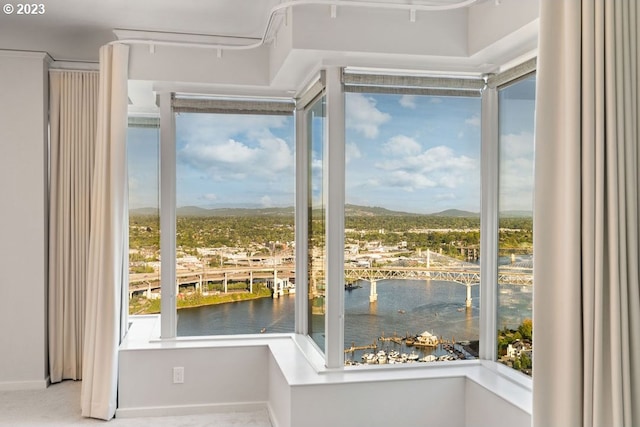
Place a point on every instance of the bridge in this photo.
(149, 282)
(468, 276)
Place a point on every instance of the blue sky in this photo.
(413, 153)
(407, 153)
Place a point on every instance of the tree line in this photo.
(390, 230)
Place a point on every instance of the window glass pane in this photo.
(143, 140)
(515, 248)
(315, 118)
(235, 224)
(412, 228)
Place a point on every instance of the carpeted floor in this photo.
(59, 405)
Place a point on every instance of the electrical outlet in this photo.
(178, 375)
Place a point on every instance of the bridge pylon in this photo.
(373, 296)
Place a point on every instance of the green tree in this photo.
(526, 329)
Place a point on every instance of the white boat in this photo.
(369, 358)
(426, 339)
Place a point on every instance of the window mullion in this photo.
(335, 184)
(489, 225)
(168, 217)
(301, 221)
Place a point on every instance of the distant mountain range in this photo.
(350, 210)
(196, 211)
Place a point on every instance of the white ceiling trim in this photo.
(275, 18)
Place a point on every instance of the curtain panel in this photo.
(73, 101)
(586, 239)
(107, 266)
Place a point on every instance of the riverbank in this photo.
(141, 305)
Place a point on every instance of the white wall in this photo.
(247, 377)
(216, 377)
(490, 22)
(235, 373)
(23, 228)
(424, 402)
(485, 409)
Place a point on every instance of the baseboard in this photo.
(272, 418)
(24, 385)
(163, 411)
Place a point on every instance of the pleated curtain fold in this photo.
(586, 236)
(107, 277)
(73, 116)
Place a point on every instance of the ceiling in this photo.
(73, 30)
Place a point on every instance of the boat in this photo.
(429, 358)
(369, 358)
(426, 339)
(413, 356)
(381, 357)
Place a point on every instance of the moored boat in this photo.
(426, 339)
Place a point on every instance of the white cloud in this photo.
(516, 171)
(232, 159)
(401, 145)
(409, 180)
(238, 157)
(266, 201)
(230, 151)
(352, 152)
(363, 116)
(275, 155)
(436, 167)
(408, 101)
(517, 145)
(473, 121)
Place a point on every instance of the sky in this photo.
(403, 152)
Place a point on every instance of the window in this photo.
(515, 248)
(233, 213)
(411, 228)
(235, 263)
(315, 123)
(392, 264)
(143, 141)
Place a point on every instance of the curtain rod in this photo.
(67, 70)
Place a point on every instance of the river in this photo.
(403, 306)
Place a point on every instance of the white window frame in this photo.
(169, 105)
(332, 82)
(494, 84)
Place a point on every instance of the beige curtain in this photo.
(586, 238)
(107, 269)
(73, 113)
